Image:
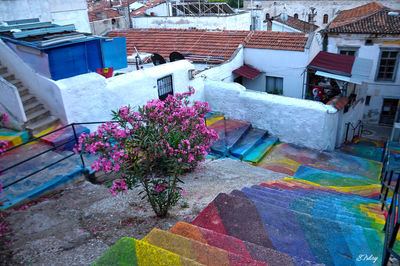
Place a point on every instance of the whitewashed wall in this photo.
(277, 26)
(102, 27)
(288, 65)
(231, 22)
(57, 11)
(91, 97)
(378, 90)
(302, 122)
(43, 88)
(11, 103)
(302, 7)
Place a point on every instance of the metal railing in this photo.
(74, 140)
(390, 184)
(357, 130)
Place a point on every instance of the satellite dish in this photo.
(157, 59)
(175, 56)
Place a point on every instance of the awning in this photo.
(247, 72)
(353, 69)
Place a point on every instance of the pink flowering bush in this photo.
(152, 147)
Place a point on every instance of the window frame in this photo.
(396, 64)
(275, 78)
(349, 48)
(163, 96)
(325, 17)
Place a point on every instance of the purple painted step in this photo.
(253, 137)
(230, 132)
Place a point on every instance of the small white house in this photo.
(370, 32)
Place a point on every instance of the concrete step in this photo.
(28, 98)
(3, 69)
(23, 91)
(197, 251)
(236, 246)
(285, 231)
(17, 83)
(257, 153)
(42, 124)
(38, 115)
(32, 107)
(253, 137)
(129, 251)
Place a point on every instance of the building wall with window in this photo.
(322, 7)
(58, 11)
(281, 68)
(384, 79)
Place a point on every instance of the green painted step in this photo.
(257, 153)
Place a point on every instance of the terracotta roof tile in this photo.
(206, 45)
(147, 5)
(297, 24)
(247, 72)
(291, 41)
(369, 18)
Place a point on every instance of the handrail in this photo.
(74, 139)
(358, 126)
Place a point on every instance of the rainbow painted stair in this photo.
(47, 179)
(326, 212)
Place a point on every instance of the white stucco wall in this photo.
(102, 27)
(11, 102)
(229, 22)
(91, 97)
(302, 122)
(57, 11)
(302, 7)
(378, 90)
(277, 26)
(288, 65)
(43, 88)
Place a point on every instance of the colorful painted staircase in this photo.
(365, 148)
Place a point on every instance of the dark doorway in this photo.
(388, 112)
(239, 80)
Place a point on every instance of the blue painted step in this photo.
(257, 153)
(253, 138)
(230, 132)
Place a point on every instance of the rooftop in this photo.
(103, 13)
(297, 24)
(206, 45)
(369, 18)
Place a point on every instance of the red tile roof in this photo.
(339, 102)
(369, 18)
(207, 45)
(297, 24)
(108, 13)
(333, 63)
(291, 41)
(247, 72)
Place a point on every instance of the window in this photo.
(165, 87)
(325, 21)
(348, 50)
(367, 100)
(274, 85)
(296, 16)
(387, 65)
(267, 16)
(310, 17)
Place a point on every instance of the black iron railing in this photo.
(390, 185)
(356, 130)
(74, 140)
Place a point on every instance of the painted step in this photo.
(12, 137)
(299, 184)
(213, 117)
(253, 138)
(369, 142)
(287, 158)
(129, 251)
(340, 201)
(235, 245)
(311, 208)
(230, 132)
(257, 153)
(197, 251)
(42, 124)
(65, 135)
(368, 152)
(285, 231)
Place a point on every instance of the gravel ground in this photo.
(75, 225)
